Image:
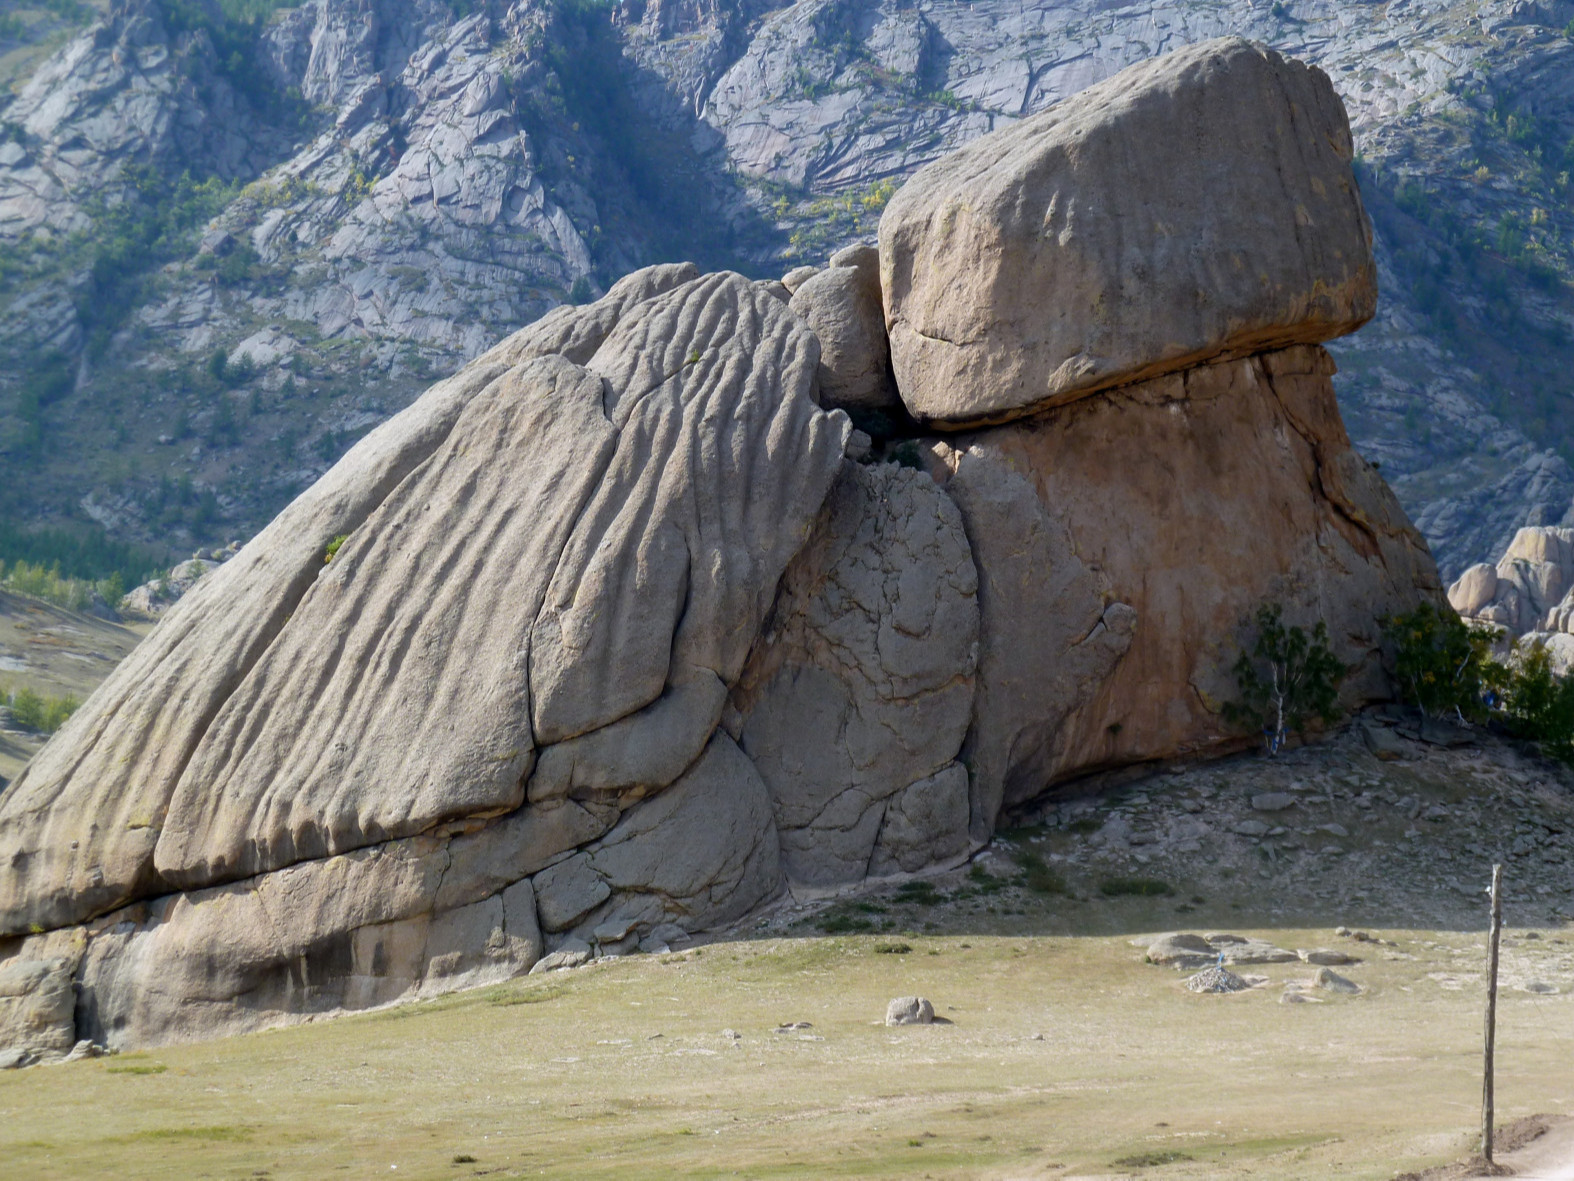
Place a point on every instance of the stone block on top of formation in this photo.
(1196, 206)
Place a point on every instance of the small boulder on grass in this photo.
(570, 954)
(910, 1010)
(1330, 981)
(1181, 951)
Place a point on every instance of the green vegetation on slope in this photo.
(38, 711)
(1477, 220)
(238, 59)
(88, 555)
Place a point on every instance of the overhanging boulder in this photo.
(1198, 205)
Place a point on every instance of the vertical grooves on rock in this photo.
(448, 561)
(339, 503)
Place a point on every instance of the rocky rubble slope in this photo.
(1374, 825)
(286, 230)
(624, 625)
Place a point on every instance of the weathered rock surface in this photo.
(496, 532)
(910, 1010)
(1181, 951)
(328, 746)
(273, 745)
(702, 853)
(1107, 643)
(1330, 981)
(1528, 596)
(1044, 262)
(37, 1005)
(863, 686)
(343, 933)
(152, 599)
(79, 825)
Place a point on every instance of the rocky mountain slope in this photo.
(236, 237)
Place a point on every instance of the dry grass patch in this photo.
(1067, 1056)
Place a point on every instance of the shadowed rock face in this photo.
(864, 685)
(1197, 205)
(619, 635)
(1124, 542)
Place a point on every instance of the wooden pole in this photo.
(1491, 1034)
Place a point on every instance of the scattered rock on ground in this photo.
(1383, 742)
(570, 954)
(1182, 951)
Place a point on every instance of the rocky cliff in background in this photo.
(624, 630)
(231, 250)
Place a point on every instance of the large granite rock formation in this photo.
(625, 629)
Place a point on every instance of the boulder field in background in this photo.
(631, 629)
(1198, 205)
(1528, 594)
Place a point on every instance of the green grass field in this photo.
(1066, 1057)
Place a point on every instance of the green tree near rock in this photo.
(1442, 665)
(38, 711)
(1286, 680)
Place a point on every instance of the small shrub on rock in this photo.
(1122, 887)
